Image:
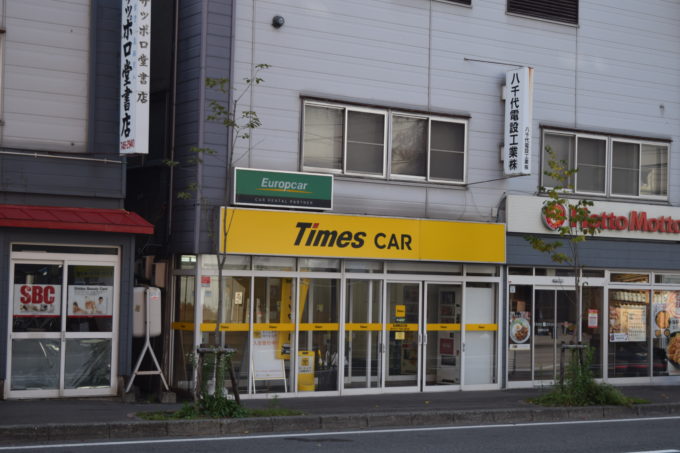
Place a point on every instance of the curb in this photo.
(304, 423)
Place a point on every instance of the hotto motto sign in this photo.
(634, 221)
(526, 214)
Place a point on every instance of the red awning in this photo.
(81, 219)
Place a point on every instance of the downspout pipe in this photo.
(173, 123)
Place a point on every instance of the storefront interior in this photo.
(63, 321)
(630, 320)
(305, 326)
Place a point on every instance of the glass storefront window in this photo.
(666, 333)
(36, 364)
(187, 262)
(592, 320)
(319, 265)
(413, 267)
(184, 337)
(273, 329)
(554, 272)
(667, 279)
(556, 321)
(62, 317)
(319, 306)
(372, 267)
(520, 339)
(521, 270)
(186, 291)
(64, 249)
(234, 324)
(87, 363)
(443, 334)
(236, 299)
(89, 304)
(617, 277)
(403, 317)
(628, 338)
(286, 330)
(273, 263)
(37, 297)
(231, 262)
(596, 273)
(363, 326)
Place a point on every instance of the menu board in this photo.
(627, 323)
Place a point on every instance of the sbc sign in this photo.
(37, 300)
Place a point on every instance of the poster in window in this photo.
(592, 318)
(446, 346)
(37, 300)
(627, 323)
(89, 300)
(519, 330)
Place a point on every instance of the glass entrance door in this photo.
(363, 334)
(62, 328)
(403, 339)
(480, 352)
(442, 343)
(556, 321)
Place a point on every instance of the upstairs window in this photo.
(610, 166)
(558, 10)
(383, 143)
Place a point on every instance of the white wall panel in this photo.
(46, 70)
(609, 74)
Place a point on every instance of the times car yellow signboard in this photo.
(261, 232)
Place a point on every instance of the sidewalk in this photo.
(110, 418)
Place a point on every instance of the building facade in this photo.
(413, 273)
(67, 243)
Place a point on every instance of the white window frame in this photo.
(385, 115)
(606, 163)
(640, 144)
(609, 139)
(427, 158)
(345, 113)
(444, 119)
(388, 115)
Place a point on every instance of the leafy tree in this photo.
(570, 218)
(574, 224)
(213, 363)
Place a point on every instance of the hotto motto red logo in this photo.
(554, 216)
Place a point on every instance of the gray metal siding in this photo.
(610, 74)
(126, 244)
(105, 102)
(215, 135)
(84, 180)
(62, 180)
(193, 129)
(602, 253)
(187, 119)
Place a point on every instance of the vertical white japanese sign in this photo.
(135, 81)
(519, 85)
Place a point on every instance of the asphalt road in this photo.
(611, 436)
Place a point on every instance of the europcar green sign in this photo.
(283, 189)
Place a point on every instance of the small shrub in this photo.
(580, 388)
(215, 406)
